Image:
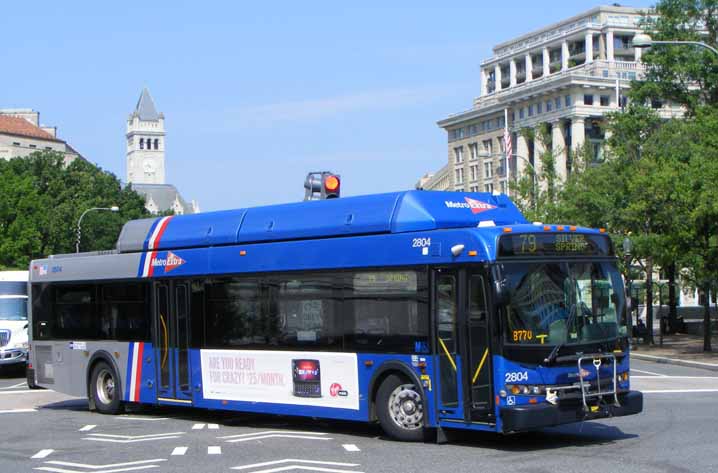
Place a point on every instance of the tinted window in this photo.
(117, 311)
(387, 312)
(124, 312)
(307, 309)
(74, 313)
(235, 315)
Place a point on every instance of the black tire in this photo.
(104, 389)
(30, 375)
(400, 408)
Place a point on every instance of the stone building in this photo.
(561, 79)
(146, 159)
(22, 134)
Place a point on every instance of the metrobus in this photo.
(13, 318)
(419, 310)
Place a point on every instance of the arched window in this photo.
(157, 143)
(142, 143)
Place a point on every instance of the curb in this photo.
(675, 361)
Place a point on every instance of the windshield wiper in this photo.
(554, 353)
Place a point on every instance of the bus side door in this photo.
(172, 330)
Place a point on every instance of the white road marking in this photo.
(129, 417)
(293, 460)
(272, 432)
(213, 426)
(665, 391)
(131, 438)
(13, 411)
(179, 451)
(15, 385)
(653, 357)
(87, 428)
(214, 450)
(116, 470)
(129, 466)
(271, 436)
(675, 377)
(43, 453)
(198, 427)
(649, 372)
(306, 468)
(350, 447)
(25, 391)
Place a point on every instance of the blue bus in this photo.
(418, 310)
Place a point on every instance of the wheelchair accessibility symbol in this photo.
(510, 400)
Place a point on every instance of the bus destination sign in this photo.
(554, 244)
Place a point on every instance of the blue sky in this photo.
(256, 94)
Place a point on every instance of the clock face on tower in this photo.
(148, 166)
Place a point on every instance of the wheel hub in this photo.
(406, 407)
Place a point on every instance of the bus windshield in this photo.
(13, 308)
(570, 303)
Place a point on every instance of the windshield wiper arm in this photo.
(554, 353)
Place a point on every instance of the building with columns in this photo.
(561, 80)
(145, 136)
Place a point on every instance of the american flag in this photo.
(508, 149)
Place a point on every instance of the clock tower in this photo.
(146, 143)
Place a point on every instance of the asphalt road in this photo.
(46, 431)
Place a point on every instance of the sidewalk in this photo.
(678, 349)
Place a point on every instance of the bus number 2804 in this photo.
(420, 242)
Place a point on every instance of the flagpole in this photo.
(506, 153)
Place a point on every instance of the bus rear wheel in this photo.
(104, 389)
(400, 409)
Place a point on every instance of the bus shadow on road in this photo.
(580, 434)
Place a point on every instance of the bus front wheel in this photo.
(400, 409)
(105, 389)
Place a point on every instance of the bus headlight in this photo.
(526, 389)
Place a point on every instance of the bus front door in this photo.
(478, 396)
(172, 307)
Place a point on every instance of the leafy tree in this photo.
(42, 200)
(685, 75)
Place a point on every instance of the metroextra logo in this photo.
(476, 206)
(169, 263)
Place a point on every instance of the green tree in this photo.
(686, 75)
(43, 199)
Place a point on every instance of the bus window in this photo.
(307, 314)
(390, 312)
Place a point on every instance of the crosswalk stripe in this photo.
(350, 447)
(213, 426)
(43, 453)
(214, 450)
(87, 428)
(179, 451)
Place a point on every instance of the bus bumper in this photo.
(533, 416)
(12, 356)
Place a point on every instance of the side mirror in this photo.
(501, 292)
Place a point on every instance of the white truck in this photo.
(13, 319)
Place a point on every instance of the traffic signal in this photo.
(322, 185)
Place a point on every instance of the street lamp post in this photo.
(642, 40)
(627, 257)
(114, 208)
